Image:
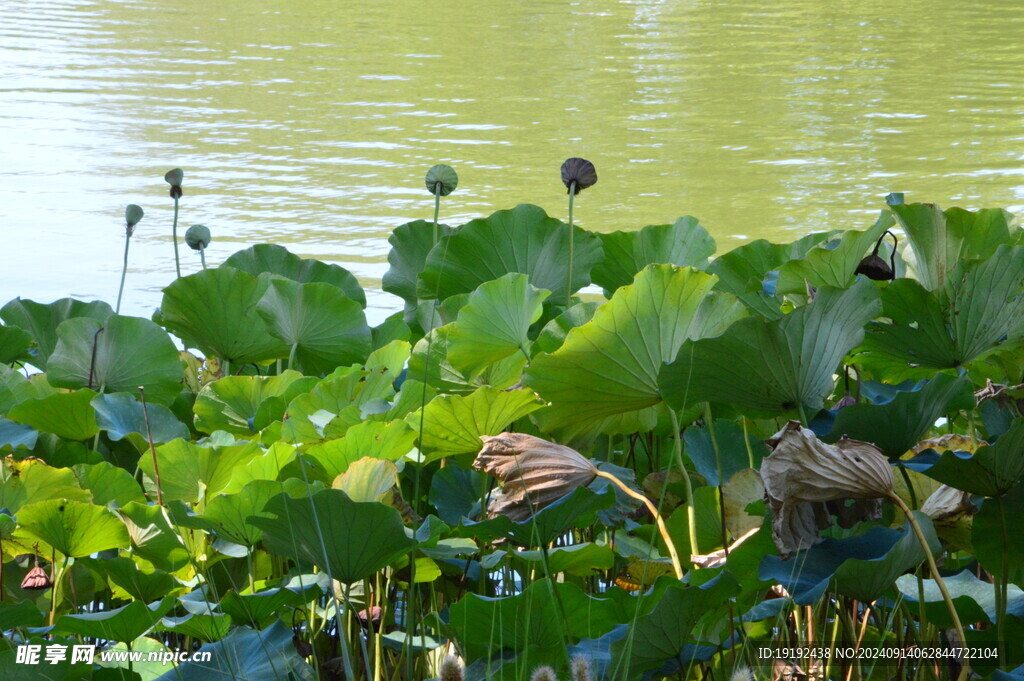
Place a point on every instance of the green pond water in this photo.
(312, 123)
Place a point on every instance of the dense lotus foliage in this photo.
(257, 472)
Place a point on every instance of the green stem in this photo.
(174, 236)
(568, 276)
(746, 441)
(709, 423)
(124, 273)
(437, 210)
(659, 521)
(291, 355)
(691, 513)
(202, 256)
(1002, 585)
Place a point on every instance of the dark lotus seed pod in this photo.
(132, 216)
(873, 267)
(581, 171)
(442, 175)
(175, 178)
(198, 237)
(36, 580)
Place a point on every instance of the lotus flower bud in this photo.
(174, 178)
(451, 669)
(443, 176)
(533, 473)
(846, 400)
(197, 237)
(36, 580)
(580, 171)
(132, 216)
(543, 673)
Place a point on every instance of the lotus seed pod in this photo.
(175, 178)
(132, 216)
(581, 171)
(36, 580)
(444, 176)
(197, 237)
(873, 267)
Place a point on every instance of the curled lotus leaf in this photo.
(948, 505)
(533, 473)
(802, 473)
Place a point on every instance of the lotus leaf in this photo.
(833, 266)
(66, 415)
(410, 244)
(246, 404)
(41, 321)
(121, 415)
(74, 528)
(277, 260)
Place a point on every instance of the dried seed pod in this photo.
(302, 646)
(174, 178)
(36, 580)
(132, 216)
(580, 171)
(873, 267)
(198, 237)
(533, 473)
(443, 177)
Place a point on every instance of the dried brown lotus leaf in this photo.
(802, 469)
(949, 441)
(948, 504)
(533, 473)
(742, 489)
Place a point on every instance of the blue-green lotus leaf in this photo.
(410, 244)
(122, 624)
(66, 415)
(121, 415)
(992, 470)
(41, 321)
(277, 260)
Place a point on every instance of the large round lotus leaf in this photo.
(662, 635)
(324, 328)
(246, 404)
(122, 415)
(494, 323)
(152, 536)
(609, 366)
(14, 344)
(861, 567)
(553, 334)
(74, 528)
(993, 535)
(31, 481)
(940, 239)
(410, 244)
(523, 239)
(974, 599)
(117, 355)
(107, 483)
(122, 624)
(684, 243)
(189, 472)
(274, 259)
(66, 415)
(768, 367)
(979, 309)
(429, 364)
(897, 425)
(831, 265)
(267, 655)
(41, 321)
(215, 310)
(385, 441)
(734, 452)
(350, 540)
(231, 512)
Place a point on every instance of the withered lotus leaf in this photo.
(802, 470)
(533, 473)
(36, 580)
(948, 504)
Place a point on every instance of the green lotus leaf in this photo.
(308, 415)
(410, 244)
(262, 466)
(23, 614)
(578, 560)
(231, 512)
(205, 628)
(108, 484)
(684, 244)
(662, 635)
(121, 415)
(130, 581)
(940, 239)
(14, 389)
(979, 309)
(152, 537)
(350, 540)
(974, 599)
(367, 479)
(122, 624)
(215, 311)
(767, 367)
(247, 404)
(453, 424)
(277, 260)
(743, 270)
(323, 328)
(17, 435)
(41, 321)
(523, 239)
(494, 323)
(860, 567)
(992, 470)
(118, 355)
(254, 609)
(429, 364)
(14, 345)
(66, 415)
(734, 451)
(609, 366)
(377, 439)
(190, 473)
(455, 493)
(992, 536)
(553, 334)
(245, 653)
(897, 425)
(833, 266)
(74, 528)
(32, 481)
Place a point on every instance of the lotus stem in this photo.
(568, 276)
(1002, 584)
(965, 669)
(202, 256)
(291, 355)
(152, 448)
(124, 272)
(676, 565)
(437, 210)
(691, 512)
(174, 237)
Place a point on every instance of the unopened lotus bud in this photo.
(543, 673)
(579, 171)
(36, 580)
(442, 179)
(174, 178)
(580, 669)
(846, 400)
(451, 669)
(132, 216)
(197, 237)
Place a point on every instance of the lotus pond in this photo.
(571, 455)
